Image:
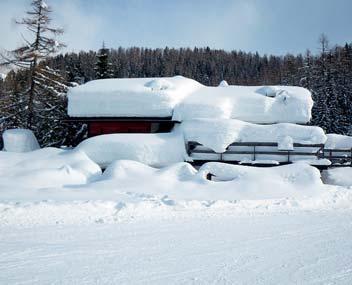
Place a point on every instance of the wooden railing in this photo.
(255, 149)
(339, 157)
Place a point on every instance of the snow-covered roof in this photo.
(256, 104)
(129, 97)
(184, 98)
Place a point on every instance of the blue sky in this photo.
(266, 26)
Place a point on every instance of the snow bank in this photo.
(182, 181)
(133, 97)
(19, 140)
(48, 167)
(152, 149)
(218, 134)
(338, 176)
(122, 169)
(295, 177)
(259, 104)
(335, 141)
(127, 169)
(54, 186)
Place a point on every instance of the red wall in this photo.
(100, 128)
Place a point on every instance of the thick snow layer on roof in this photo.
(19, 140)
(152, 149)
(218, 134)
(185, 98)
(336, 141)
(129, 97)
(261, 104)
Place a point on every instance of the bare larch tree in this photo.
(43, 43)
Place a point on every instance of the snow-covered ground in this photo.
(63, 221)
(286, 248)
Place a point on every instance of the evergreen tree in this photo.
(103, 67)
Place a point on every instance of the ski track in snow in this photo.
(282, 248)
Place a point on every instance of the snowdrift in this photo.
(48, 167)
(132, 97)
(51, 169)
(55, 186)
(256, 104)
(152, 149)
(229, 182)
(218, 134)
(338, 176)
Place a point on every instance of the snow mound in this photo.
(125, 169)
(181, 171)
(152, 149)
(159, 84)
(338, 176)
(229, 182)
(335, 141)
(254, 183)
(131, 97)
(290, 104)
(218, 134)
(269, 91)
(48, 167)
(223, 83)
(19, 140)
(122, 169)
(285, 143)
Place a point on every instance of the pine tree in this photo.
(103, 67)
(320, 89)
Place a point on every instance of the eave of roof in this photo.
(119, 119)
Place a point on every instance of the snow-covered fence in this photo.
(265, 153)
(339, 157)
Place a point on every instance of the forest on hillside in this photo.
(326, 73)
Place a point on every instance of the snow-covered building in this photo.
(242, 124)
(134, 105)
(155, 104)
